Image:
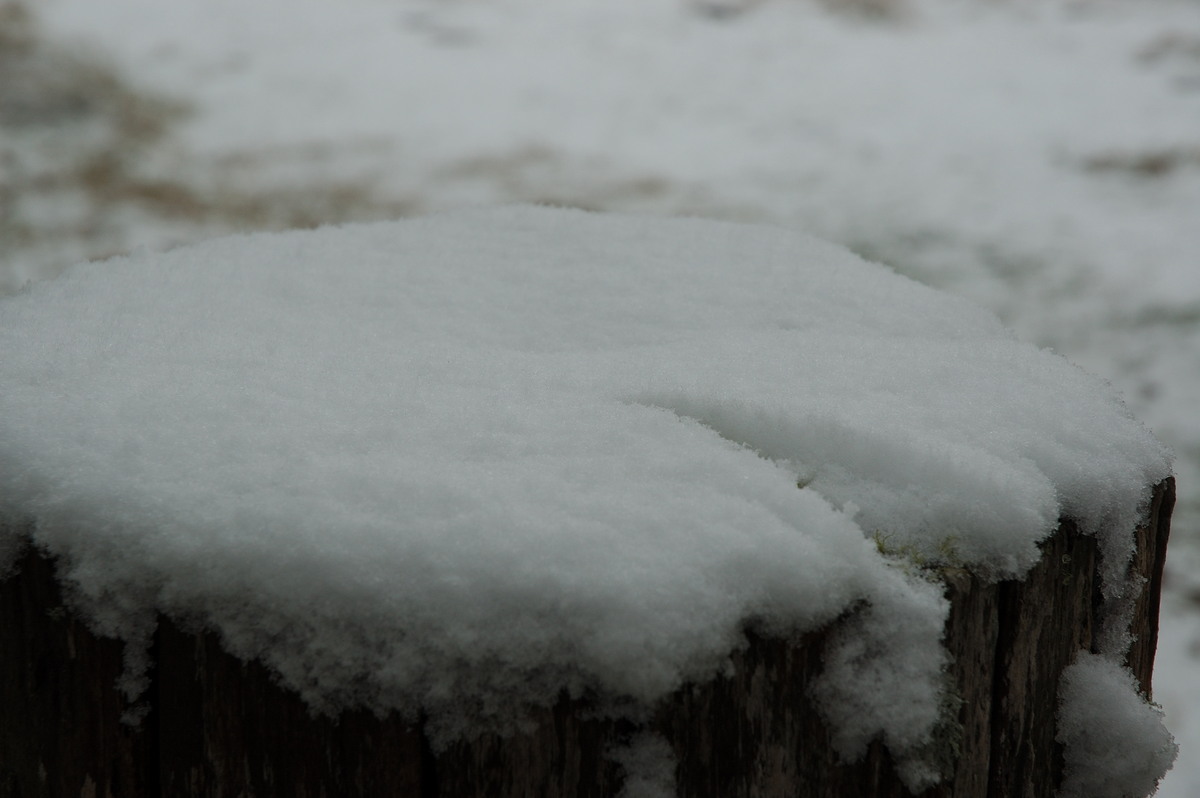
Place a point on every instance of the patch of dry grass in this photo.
(86, 166)
(1151, 163)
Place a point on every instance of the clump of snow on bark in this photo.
(649, 765)
(1114, 743)
(462, 463)
(866, 691)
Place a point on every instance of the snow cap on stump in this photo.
(460, 463)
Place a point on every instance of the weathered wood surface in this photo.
(221, 727)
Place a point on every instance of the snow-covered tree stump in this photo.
(218, 726)
(525, 502)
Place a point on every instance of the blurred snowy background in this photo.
(1041, 157)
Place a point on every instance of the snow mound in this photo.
(1115, 744)
(465, 461)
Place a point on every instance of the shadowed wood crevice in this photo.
(1042, 623)
(218, 726)
(1149, 560)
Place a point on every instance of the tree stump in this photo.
(218, 726)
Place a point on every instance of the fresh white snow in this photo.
(462, 462)
(992, 149)
(1114, 742)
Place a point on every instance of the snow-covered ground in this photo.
(1042, 159)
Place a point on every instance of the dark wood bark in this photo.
(221, 727)
(60, 712)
